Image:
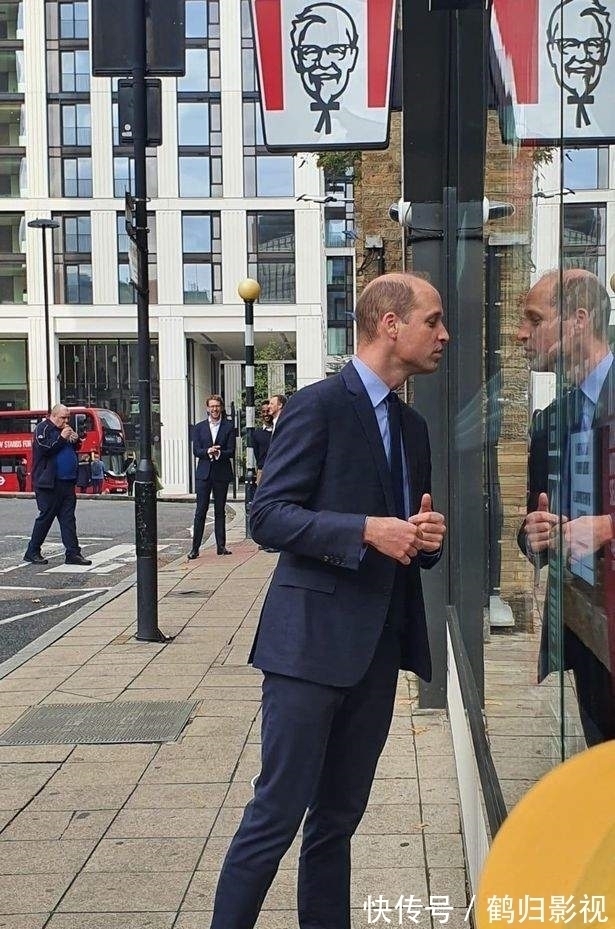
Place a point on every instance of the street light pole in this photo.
(44, 225)
(249, 291)
(146, 528)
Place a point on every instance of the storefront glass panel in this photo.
(549, 395)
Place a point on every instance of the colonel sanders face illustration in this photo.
(324, 49)
(578, 46)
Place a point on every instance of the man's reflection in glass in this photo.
(568, 314)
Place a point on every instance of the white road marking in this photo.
(64, 590)
(98, 558)
(103, 562)
(52, 606)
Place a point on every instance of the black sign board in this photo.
(113, 31)
(125, 108)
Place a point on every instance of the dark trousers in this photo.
(57, 503)
(320, 748)
(204, 490)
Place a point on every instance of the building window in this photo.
(72, 259)
(340, 306)
(75, 71)
(584, 238)
(12, 259)
(199, 19)
(264, 175)
(106, 374)
(126, 289)
(339, 211)
(193, 124)
(271, 254)
(202, 252)
(586, 168)
(77, 177)
(74, 20)
(199, 129)
(76, 125)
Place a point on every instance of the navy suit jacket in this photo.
(219, 469)
(326, 472)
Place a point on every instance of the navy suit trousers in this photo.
(320, 748)
(59, 503)
(204, 489)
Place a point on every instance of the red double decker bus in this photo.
(100, 431)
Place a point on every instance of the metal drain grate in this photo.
(96, 723)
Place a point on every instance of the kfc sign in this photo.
(325, 72)
(555, 70)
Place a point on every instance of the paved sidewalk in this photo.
(132, 836)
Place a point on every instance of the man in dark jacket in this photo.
(54, 474)
(262, 439)
(214, 446)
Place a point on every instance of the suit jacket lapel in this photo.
(367, 418)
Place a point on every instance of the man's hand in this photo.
(213, 451)
(586, 534)
(394, 537)
(540, 526)
(432, 526)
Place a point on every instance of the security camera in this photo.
(401, 212)
(496, 209)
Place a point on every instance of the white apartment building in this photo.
(221, 209)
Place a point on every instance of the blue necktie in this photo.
(397, 474)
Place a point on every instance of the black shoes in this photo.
(223, 551)
(192, 554)
(35, 559)
(78, 559)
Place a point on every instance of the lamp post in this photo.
(249, 291)
(44, 225)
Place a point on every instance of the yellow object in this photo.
(249, 289)
(553, 860)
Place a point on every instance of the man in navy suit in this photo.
(213, 442)
(346, 497)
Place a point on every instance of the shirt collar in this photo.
(593, 383)
(377, 390)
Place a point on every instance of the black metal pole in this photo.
(145, 480)
(250, 463)
(249, 291)
(47, 327)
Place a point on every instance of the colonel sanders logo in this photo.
(324, 50)
(578, 46)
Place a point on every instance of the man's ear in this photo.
(389, 323)
(581, 318)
